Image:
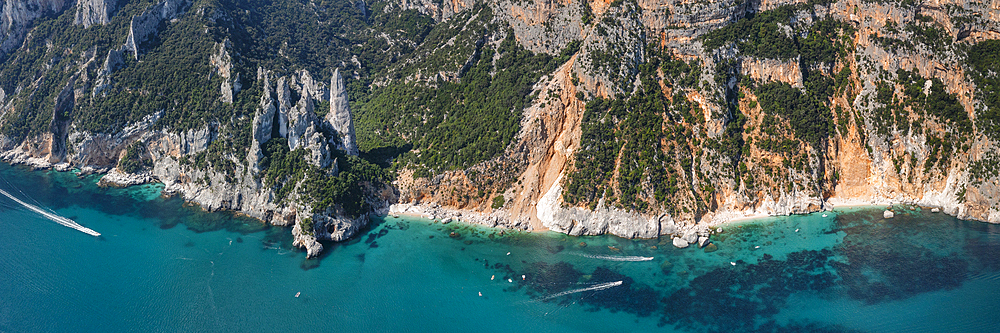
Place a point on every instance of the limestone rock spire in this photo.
(339, 117)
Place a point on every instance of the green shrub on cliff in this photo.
(134, 159)
(758, 34)
(307, 225)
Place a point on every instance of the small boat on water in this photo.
(297, 294)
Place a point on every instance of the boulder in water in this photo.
(680, 243)
(702, 241)
(888, 214)
(935, 210)
(691, 236)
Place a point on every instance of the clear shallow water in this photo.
(163, 267)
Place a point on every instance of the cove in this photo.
(163, 266)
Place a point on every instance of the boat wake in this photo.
(601, 286)
(281, 251)
(51, 216)
(986, 276)
(615, 258)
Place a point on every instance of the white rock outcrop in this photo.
(306, 240)
(339, 117)
(577, 221)
(94, 12)
(144, 25)
(223, 64)
(17, 15)
(112, 62)
(690, 236)
(680, 243)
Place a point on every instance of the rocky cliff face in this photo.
(721, 152)
(244, 191)
(859, 165)
(18, 15)
(92, 12)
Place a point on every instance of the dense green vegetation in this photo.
(936, 102)
(758, 34)
(456, 123)
(764, 35)
(809, 118)
(595, 159)
(135, 159)
(650, 134)
(25, 74)
(307, 226)
(284, 170)
(188, 97)
(984, 60)
(344, 189)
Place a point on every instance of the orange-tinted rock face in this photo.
(857, 165)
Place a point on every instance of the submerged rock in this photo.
(711, 247)
(666, 266)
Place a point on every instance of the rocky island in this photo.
(641, 119)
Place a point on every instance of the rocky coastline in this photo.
(858, 165)
(574, 222)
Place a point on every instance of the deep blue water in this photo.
(162, 266)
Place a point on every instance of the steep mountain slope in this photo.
(638, 118)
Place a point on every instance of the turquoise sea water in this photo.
(161, 266)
